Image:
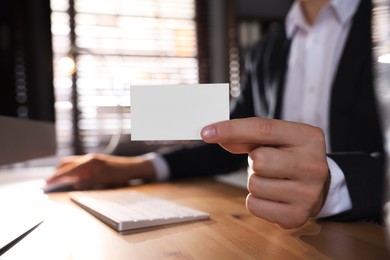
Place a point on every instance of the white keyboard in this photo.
(126, 209)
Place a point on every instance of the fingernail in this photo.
(208, 132)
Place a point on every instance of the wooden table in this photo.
(69, 232)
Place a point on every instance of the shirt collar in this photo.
(343, 10)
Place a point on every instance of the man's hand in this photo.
(290, 175)
(96, 171)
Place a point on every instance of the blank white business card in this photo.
(176, 112)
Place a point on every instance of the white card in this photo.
(176, 112)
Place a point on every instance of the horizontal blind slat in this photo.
(120, 42)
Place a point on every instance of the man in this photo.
(322, 160)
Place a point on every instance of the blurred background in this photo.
(101, 47)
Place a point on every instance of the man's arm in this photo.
(364, 175)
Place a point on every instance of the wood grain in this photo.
(68, 232)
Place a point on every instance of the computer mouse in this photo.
(58, 187)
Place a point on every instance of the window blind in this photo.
(117, 43)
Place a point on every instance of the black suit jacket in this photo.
(356, 138)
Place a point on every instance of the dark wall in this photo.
(26, 73)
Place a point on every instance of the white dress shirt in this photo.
(314, 56)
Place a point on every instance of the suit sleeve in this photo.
(364, 175)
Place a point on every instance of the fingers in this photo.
(65, 172)
(272, 189)
(282, 214)
(273, 163)
(288, 164)
(285, 183)
(75, 166)
(285, 202)
(258, 131)
(292, 192)
(68, 160)
(289, 168)
(102, 171)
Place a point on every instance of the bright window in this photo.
(118, 43)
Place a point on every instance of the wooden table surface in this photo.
(69, 232)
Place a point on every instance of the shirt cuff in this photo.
(338, 199)
(161, 167)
